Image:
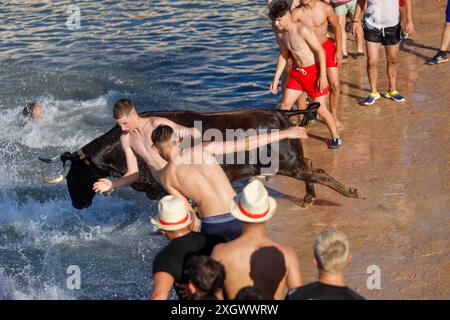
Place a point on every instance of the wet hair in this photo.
(161, 135)
(278, 10)
(331, 250)
(122, 108)
(207, 275)
(28, 110)
(249, 293)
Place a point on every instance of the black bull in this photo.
(104, 156)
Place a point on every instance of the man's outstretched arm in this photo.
(131, 176)
(254, 141)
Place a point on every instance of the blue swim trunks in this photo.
(225, 225)
(448, 11)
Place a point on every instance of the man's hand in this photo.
(322, 82)
(296, 132)
(103, 185)
(185, 291)
(274, 86)
(409, 28)
(182, 132)
(338, 58)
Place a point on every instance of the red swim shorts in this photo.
(330, 52)
(402, 3)
(305, 79)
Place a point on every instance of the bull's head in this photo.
(80, 174)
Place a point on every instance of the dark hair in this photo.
(161, 134)
(279, 9)
(122, 108)
(28, 110)
(249, 293)
(207, 275)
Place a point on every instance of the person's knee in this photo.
(372, 62)
(334, 86)
(392, 59)
(285, 106)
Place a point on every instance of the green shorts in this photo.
(345, 8)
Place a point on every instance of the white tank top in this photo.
(382, 13)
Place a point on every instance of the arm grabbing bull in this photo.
(135, 138)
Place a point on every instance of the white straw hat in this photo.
(253, 205)
(172, 214)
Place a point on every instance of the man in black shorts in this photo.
(382, 27)
(331, 255)
(169, 266)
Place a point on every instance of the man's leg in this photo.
(392, 64)
(359, 38)
(441, 55)
(372, 49)
(333, 80)
(342, 18)
(289, 97)
(445, 40)
(326, 116)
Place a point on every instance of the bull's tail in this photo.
(302, 117)
(321, 177)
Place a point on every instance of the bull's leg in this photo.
(312, 175)
(310, 196)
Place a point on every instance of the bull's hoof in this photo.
(353, 192)
(307, 202)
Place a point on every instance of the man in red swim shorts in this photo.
(307, 75)
(316, 15)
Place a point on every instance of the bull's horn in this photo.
(59, 178)
(55, 180)
(50, 160)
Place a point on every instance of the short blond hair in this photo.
(122, 108)
(331, 249)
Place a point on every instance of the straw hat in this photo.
(253, 205)
(172, 214)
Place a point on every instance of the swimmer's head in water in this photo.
(279, 14)
(164, 140)
(32, 110)
(125, 114)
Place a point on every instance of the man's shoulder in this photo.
(326, 7)
(303, 292)
(298, 12)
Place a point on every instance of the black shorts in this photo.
(386, 36)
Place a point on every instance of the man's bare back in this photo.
(207, 185)
(255, 260)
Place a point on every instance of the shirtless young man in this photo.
(136, 140)
(316, 15)
(194, 173)
(253, 259)
(307, 75)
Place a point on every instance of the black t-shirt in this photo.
(321, 291)
(173, 257)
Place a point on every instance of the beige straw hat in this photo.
(172, 214)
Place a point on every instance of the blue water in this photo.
(197, 55)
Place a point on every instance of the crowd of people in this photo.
(221, 250)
